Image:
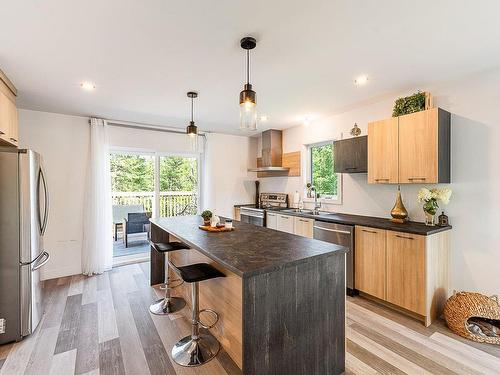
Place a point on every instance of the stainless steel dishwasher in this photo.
(343, 235)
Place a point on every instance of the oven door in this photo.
(255, 217)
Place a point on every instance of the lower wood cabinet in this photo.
(237, 214)
(285, 223)
(406, 270)
(303, 227)
(369, 261)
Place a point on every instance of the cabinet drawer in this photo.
(369, 261)
(303, 227)
(285, 223)
(406, 271)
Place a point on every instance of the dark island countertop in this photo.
(412, 227)
(249, 249)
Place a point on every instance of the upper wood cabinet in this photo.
(8, 113)
(424, 147)
(350, 155)
(383, 151)
(410, 149)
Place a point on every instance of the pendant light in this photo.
(192, 129)
(248, 103)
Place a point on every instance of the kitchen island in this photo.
(282, 302)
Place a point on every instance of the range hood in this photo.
(272, 153)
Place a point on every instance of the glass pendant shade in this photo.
(248, 109)
(192, 132)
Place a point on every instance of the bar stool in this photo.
(168, 304)
(197, 348)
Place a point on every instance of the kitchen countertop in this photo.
(249, 249)
(373, 222)
(245, 205)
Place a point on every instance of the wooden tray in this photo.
(212, 229)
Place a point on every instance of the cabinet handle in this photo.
(1, 132)
(406, 238)
(369, 231)
(271, 214)
(416, 178)
(351, 168)
(381, 179)
(285, 217)
(304, 221)
(13, 139)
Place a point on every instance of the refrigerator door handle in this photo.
(40, 263)
(34, 260)
(43, 221)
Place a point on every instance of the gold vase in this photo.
(398, 212)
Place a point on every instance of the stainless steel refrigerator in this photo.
(23, 220)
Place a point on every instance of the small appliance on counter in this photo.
(23, 220)
(257, 215)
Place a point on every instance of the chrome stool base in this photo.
(164, 306)
(191, 352)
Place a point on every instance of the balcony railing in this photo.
(172, 203)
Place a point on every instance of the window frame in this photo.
(156, 171)
(325, 199)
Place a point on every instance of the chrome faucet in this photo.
(317, 205)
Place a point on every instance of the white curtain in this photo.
(97, 251)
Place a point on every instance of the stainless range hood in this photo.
(272, 153)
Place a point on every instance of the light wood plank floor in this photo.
(102, 325)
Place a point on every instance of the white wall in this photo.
(63, 141)
(475, 204)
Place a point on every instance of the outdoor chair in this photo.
(135, 223)
(120, 212)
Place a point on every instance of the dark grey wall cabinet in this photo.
(351, 155)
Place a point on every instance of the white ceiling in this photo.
(145, 55)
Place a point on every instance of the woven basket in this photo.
(465, 305)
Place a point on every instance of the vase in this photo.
(430, 218)
(399, 213)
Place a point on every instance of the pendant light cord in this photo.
(248, 66)
(192, 105)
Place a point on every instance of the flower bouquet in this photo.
(430, 198)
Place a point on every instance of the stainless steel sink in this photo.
(297, 211)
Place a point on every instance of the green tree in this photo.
(178, 174)
(131, 173)
(323, 177)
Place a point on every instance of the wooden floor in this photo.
(101, 325)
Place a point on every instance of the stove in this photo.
(267, 201)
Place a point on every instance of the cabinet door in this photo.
(271, 220)
(418, 147)
(237, 214)
(383, 151)
(4, 116)
(303, 227)
(284, 223)
(14, 127)
(350, 155)
(406, 271)
(369, 261)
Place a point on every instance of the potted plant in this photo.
(409, 104)
(430, 198)
(206, 215)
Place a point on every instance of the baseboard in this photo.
(48, 273)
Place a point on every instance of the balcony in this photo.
(170, 203)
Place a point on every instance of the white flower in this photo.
(424, 195)
(444, 195)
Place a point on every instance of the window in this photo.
(321, 172)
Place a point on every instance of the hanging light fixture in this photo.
(192, 129)
(248, 103)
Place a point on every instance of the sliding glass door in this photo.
(148, 185)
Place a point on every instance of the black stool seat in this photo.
(197, 272)
(165, 247)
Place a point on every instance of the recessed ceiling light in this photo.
(264, 118)
(307, 120)
(361, 80)
(89, 86)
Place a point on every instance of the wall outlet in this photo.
(3, 322)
